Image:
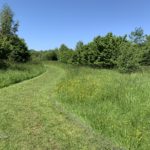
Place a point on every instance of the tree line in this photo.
(125, 53)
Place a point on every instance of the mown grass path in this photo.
(31, 119)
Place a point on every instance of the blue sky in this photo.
(46, 24)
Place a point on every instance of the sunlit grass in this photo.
(71, 107)
(115, 105)
(19, 72)
(31, 118)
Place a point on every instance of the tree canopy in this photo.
(12, 48)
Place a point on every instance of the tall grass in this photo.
(115, 105)
(19, 72)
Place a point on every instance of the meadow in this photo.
(95, 97)
(75, 107)
(115, 105)
(19, 72)
(33, 119)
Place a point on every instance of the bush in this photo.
(128, 61)
(3, 64)
(64, 54)
(5, 47)
(19, 51)
(13, 48)
(102, 51)
(145, 59)
(49, 55)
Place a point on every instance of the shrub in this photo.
(13, 48)
(19, 51)
(145, 57)
(5, 47)
(102, 51)
(128, 61)
(49, 55)
(64, 54)
(3, 64)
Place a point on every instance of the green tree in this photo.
(101, 52)
(145, 59)
(12, 47)
(108, 48)
(7, 24)
(137, 36)
(64, 54)
(49, 55)
(128, 60)
(19, 50)
(78, 54)
(5, 47)
(79, 45)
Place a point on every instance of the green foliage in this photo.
(101, 52)
(7, 25)
(49, 55)
(12, 48)
(137, 36)
(108, 50)
(111, 51)
(19, 51)
(64, 54)
(44, 55)
(3, 64)
(78, 54)
(128, 60)
(145, 59)
(5, 47)
(36, 55)
(79, 46)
